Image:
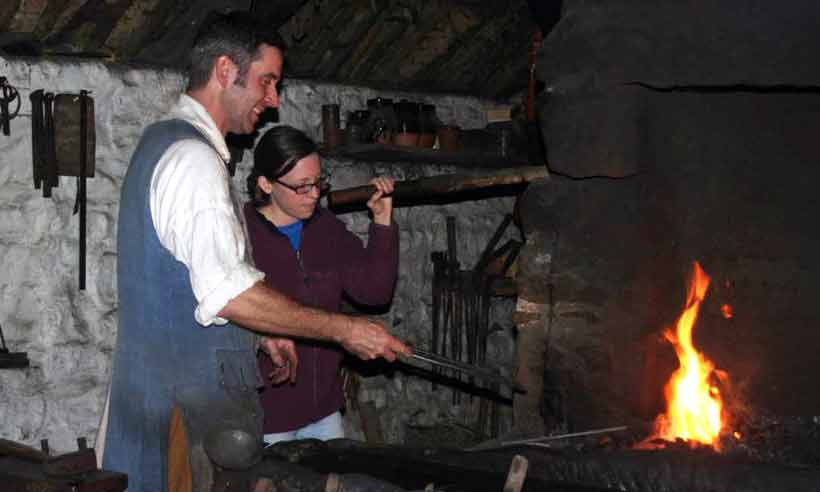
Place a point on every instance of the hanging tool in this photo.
(50, 179)
(8, 96)
(453, 269)
(461, 311)
(439, 264)
(64, 144)
(80, 203)
(37, 138)
(74, 139)
(11, 360)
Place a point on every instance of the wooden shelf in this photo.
(396, 153)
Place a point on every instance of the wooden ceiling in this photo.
(470, 47)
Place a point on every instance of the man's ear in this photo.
(225, 71)
(264, 184)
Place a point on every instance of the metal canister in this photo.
(355, 128)
(330, 125)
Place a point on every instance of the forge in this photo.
(669, 147)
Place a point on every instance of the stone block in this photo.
(597, 133)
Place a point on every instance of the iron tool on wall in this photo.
(8, 97)
(64, 144)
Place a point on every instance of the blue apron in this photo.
(161, 351)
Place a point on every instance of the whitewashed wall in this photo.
(69, 334)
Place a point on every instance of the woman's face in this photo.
(288, 205)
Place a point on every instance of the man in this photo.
(183, 281)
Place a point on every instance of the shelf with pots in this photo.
(377, 152)
(410, 132)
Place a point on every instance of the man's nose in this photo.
(272, 96)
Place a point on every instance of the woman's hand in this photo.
(381, 203)
(282, 352)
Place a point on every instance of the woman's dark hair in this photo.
(235, 34)
(276, 153)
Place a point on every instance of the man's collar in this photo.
(192, 111)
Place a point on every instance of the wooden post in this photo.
(517, 474)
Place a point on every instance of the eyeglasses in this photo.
(322, 184)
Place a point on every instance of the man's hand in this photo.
(381, 203)
(368, 340)
(282, 352)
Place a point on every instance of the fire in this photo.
(694, 405)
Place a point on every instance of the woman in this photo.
(308, 253)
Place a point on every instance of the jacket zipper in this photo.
(315, 350)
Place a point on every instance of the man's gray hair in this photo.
(236, 35)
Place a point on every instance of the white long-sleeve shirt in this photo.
(196, 218)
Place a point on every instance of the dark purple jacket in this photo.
(331, 260)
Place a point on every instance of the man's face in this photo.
(245, 103)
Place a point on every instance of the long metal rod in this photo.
(539, 441)
(477, 372)
(565, 436)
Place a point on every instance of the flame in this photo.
(694, 405)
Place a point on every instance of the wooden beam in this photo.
(439, 186)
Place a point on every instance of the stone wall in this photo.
(69, 334)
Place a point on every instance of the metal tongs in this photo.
(468, 369)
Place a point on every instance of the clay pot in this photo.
(406, 139)
(337, 138)
(355, 129)
(427, 140)
(407, 115)
(381, 122)
(448, 138)
(330, 125)
(428, 122)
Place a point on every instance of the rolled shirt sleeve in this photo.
(195, 219)
(217, 274)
